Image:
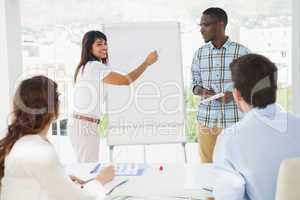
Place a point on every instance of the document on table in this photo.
(214, 97)
(112, 185)
(123, 169)
(194, 178)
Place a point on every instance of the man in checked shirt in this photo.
(211, 75)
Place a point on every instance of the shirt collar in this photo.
(273, 115)
(225, 45)
(268, 111)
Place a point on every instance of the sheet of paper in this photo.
(194, 177)
(114, 184)
(216, 96)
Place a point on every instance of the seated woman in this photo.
(29, 165)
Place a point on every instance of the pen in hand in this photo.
(88, 180)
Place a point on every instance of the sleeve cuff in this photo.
(95, 188)
(104, 73)
(229, 186)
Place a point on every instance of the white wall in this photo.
(296, 57)
(235, 32)
(10, 54)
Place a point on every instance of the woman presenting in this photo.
(91, 76)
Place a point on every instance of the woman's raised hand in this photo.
(151, 58)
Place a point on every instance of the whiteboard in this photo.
(151, 110)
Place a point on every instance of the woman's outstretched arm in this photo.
(115, 78)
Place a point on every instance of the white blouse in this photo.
(33, 171)
(89, 93)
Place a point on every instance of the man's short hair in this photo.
(255, 76)
(218, 13)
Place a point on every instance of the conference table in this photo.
(176, 180)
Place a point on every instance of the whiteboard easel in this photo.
(151, 110)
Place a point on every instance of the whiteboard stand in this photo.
(111, 153)
(144, 150)
(184, 151)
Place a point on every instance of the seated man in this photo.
(251, 150)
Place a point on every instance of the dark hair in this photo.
(218, 13)
(35, 105)
(255, 76)
(86, 52)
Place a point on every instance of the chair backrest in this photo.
(288, 181)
